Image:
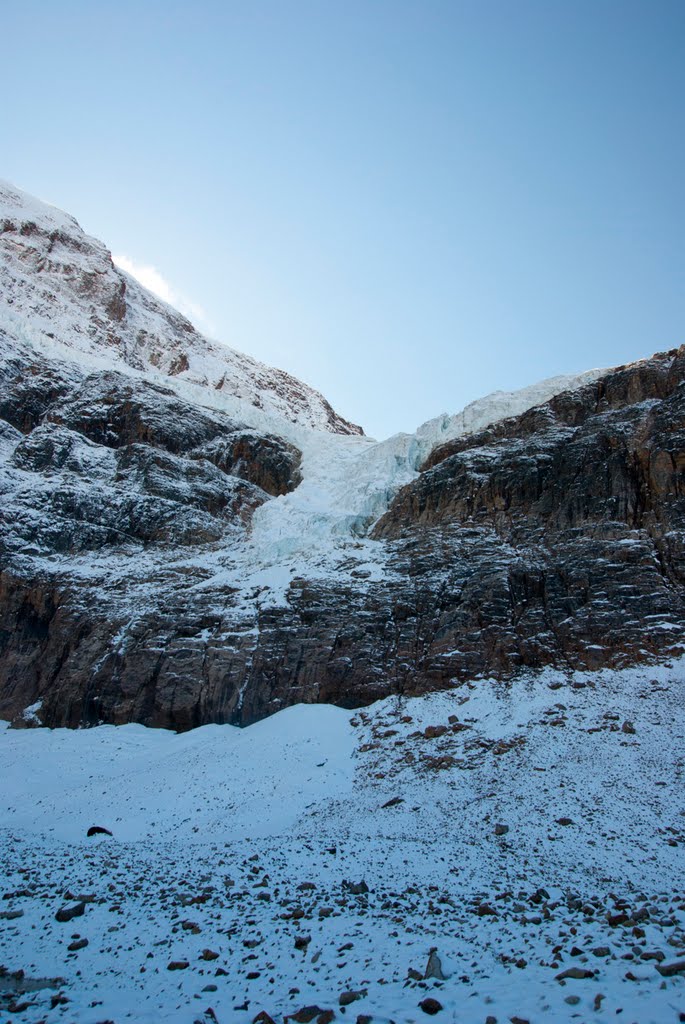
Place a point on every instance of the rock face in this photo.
(561, 530)
(554, 538)
(168, 560)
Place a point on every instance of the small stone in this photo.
(628, 728)
(177, 965)
(78, 944)
(356, 888)
(432, 732)
(209, 954)
(69, 913)
(601, 951)
(484, 910)
(501, 830)
(430, 1006)
(572, 1000)
(351, 997)
(565, 821)
(669, 970)
(308, 1014)
(578, 973)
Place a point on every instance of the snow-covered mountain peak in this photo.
(61, 288)
(23, 208)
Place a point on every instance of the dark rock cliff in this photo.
(553, 538)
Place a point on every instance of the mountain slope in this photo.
(59, 284)
(174, 553)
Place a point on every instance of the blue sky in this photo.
(406, 204)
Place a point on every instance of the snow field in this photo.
(478, 823)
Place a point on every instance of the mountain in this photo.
(189, 537)
(61, 286)
(494, 833)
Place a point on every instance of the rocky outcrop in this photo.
(611, 452)
(269, 462)
(560, 531)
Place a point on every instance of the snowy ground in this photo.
(522, 831)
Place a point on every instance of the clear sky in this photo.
(406, 204)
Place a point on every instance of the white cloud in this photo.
(154, 281)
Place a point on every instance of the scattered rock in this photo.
(575, 972)
(346, 998)
(432, 732)
(356, 888)
(311, 1013)
(65, 914)
(430, 1006)
(485, 910)
(669, 970)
